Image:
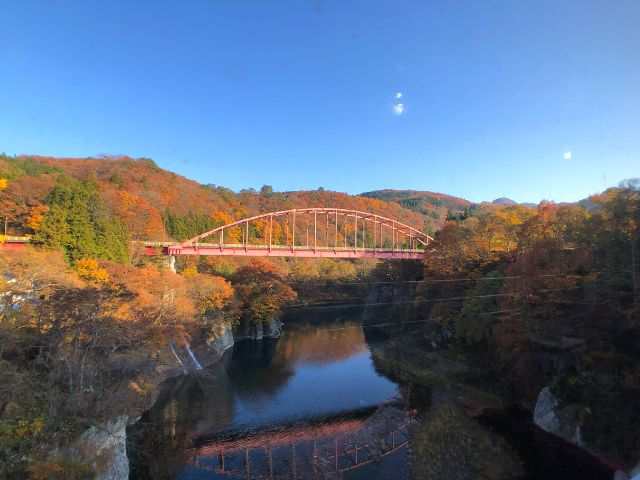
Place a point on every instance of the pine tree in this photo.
(79, 223)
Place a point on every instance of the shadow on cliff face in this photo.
(160, 442)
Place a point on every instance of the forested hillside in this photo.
(436, 206)
(548, 297)
(150, 203)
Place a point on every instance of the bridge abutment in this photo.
(170, 262)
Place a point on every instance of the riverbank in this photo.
(101, 448)
(452, 384)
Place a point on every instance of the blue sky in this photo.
(301, 94)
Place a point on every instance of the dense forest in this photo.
(530, 297)
(154, 204)
(535, 298)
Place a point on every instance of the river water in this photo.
(310, 404)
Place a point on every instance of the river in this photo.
(312, 404)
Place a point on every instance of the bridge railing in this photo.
(295, 247)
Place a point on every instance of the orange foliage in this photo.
(157, 298)
(139, 192)
(33, 266)
(142, 219)
(209, 293)
(261, 290)
(232, 235)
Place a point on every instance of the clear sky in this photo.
(495, 95)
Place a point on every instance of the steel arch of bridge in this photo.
(405, 241)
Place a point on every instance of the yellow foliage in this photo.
(221, 218)
(263, 228)
(89, 269)
(126, 200)
(3, 183)
(515, 214)
(190, 271)
(231, 235)
(140, 387)
(36, 216)
(59, 468)
(29, 428)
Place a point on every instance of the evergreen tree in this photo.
(79, 223)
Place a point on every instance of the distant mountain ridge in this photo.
(434, 205)
(504, 201)
(587, 203)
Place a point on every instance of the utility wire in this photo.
(428, 300)
(388, 324)
(378, 324)
(446, 280)
(347, 304)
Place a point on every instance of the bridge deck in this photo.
(300, 251)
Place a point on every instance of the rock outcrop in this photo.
(260, 330)
(223, 342)
(272, 329)
(565, 422)
(103, 448)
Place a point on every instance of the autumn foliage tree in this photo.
(157, 300)
(209, 293)
(261, 290)
(36, 216)
(550, 295)
(143, 221)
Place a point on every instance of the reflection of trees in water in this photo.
(252, 370)
(265, 366)
(308, 344)
(322, 317)
(160, 443)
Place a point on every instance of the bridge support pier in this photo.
(170, 262)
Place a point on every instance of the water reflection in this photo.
(312, 388)
(313, 405)
(307, 344)
(343, 446)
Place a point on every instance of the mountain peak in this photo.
(504, 201)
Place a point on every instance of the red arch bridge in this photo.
(306, 233)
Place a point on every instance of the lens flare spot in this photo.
(398, 109)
